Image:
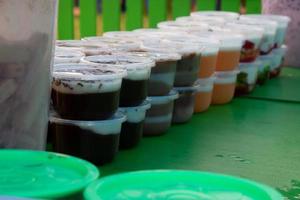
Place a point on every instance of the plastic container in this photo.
(178, 184)
(132, 129)
(26, 58)
(283, 22)
(277, 61)
(264, 69)
(252, 40)
(219, 14)
(44, 175)
(86, 91)
(95, 141)
(65, 55)
(134, 90)
(188, 67)
(247, 77)
(162, 75)
(159, 116)
(270, 28)
(182, 26)
(184, 105)
(230, 48)
(204, 94)
(224, 87)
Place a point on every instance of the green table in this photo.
(252, 138)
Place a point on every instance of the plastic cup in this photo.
(230, 48)
(159, 116)
(178, 184)
(269, 26)
(26, 57)
(224, 87)
(120, 34)
(162, 75)
(132, 129)
(283, 22)
(184, 105)
(252, 40)
(188, 66)
(44, 175)
(218, 14)
(247, 77)
(277, 61)
(85, 91)
(264, 69)
(95, 141)
(204, 94)
(134, 90)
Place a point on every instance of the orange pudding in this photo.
(228, 60)
(207, 66)
(224, 87)
(204, 94)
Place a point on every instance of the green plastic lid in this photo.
(178, 185)
(38, 174)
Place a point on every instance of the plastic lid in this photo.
(137, 113)
(206, 84)
(164, 99)
(270, 27)
(226, 77)
(184, 49)
(120, 34)
(86, 72)
(223, 14)
(202, 19)
(77, 43)
(116, 42)
(175, 25)
(178, 185)
(40, 174)
(248, 31)
(157, 56)
(103, 127)
(123, 60)
(193, 88)
(282, 20)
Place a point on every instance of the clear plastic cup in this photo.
(219, 14)
(134, 90)
(159, 116)
(270, 28)
(277, 61)
(132, 129)
(178, 185)
(27, 35)
(230, 48)
(283, 22)
(86, 91)
(204, 94)
(188, 66)
(184, 105)
(182, 26)
(264, 69)
(247, 77)
(96, 141)
(44, 175)
(252, 40)
(224, 87)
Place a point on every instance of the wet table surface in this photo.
(255, 138)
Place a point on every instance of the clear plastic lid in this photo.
(103, 127)
(137, 113)
(226, 77)
(126, 61)
(77, 43)
(193, 88)
(176, 25)
(157, 56)
(206, 84)
(282, 20)
(184, 49)
(156, 100)
(203, 18)
(270, 27)
(221, 14)
(120, 34)
(248, 31)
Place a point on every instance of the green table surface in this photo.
(257, 139)
(285, 88)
